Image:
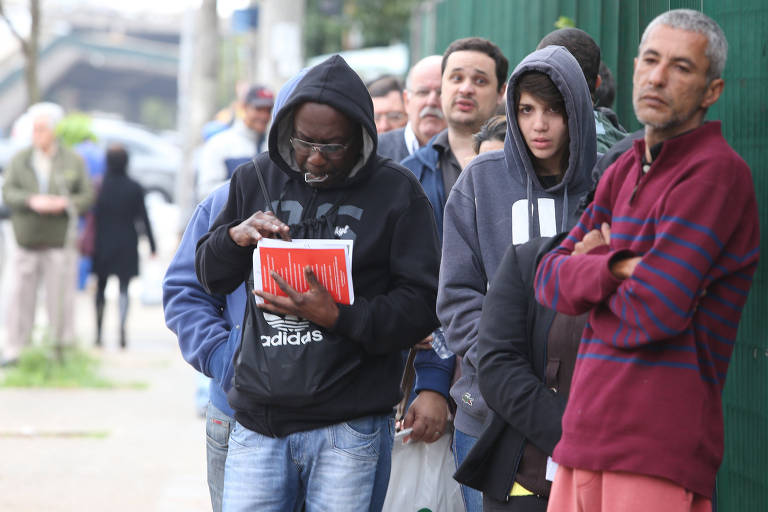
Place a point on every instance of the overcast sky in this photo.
(170, 6)
(138, 6)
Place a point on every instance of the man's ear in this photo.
(502, 94)
(714, 90)
(598, 81)
(405, 98)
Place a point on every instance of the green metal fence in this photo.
(518, 25)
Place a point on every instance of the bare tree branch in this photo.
(23, 42)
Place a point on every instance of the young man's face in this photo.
(320, 124)
(470, 92)
(545, 132)
(670, 88)
(257, 118)
(422, 101)
(389, 112)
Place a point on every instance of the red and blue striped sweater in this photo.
(646, 392)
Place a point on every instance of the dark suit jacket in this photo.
(392, 145)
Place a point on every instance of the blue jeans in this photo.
(462, 443)
(217, 427)
(342, 467)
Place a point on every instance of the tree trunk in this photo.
(280, 49)
(198, 68)
(31, 53)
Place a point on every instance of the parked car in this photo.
(154, 160)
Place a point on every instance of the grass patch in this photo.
(39, 367)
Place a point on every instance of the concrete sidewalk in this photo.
(125, 449)
(121, 449)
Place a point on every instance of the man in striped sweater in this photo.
(663, 260)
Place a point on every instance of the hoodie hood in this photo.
(334, 83)
(564, 71)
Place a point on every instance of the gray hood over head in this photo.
(498, 200)
(565, 72)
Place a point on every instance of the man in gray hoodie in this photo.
(505, 197)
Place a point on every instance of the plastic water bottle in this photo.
(438, 344)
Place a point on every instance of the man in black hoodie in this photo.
(314, 416)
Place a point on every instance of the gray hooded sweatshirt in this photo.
(499, 200)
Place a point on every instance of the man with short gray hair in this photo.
(46, 187)
(664, 281)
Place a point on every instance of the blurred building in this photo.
(97, 60)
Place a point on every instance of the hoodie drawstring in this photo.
(529, 193)
(564, 222)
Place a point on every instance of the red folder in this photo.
(330, 259)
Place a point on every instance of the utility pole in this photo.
(280, 54)
(198, 69)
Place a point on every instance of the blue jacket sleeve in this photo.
(195, 316)
(433, 373)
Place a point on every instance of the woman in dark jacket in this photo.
(119, 207)
(527, 354)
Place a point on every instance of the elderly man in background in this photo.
(46, 187)
(388, 109)
(422, 105)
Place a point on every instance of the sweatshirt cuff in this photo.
(346, 322)
(226, 248)
(607, 279)
(433, 373)
(217, 362)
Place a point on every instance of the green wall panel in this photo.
(617, 25)
(743, 109)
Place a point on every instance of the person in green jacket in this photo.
(46, 187)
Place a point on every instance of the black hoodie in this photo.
(290, 374)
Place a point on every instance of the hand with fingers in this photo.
(316, 304)
(594, 238)
(47, 204)
(428, 416)
(257, 226)
(621, 267)
(425, 344)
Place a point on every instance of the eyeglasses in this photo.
(393, 116)
(302, 147)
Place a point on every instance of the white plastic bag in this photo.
(422, 477)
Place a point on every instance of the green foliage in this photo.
(232, 65)
(565, 22)
(74, 129)
(322, 33)
(39, 367)
(379, 22)
(383, 22)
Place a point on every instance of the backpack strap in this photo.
(262, 184)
